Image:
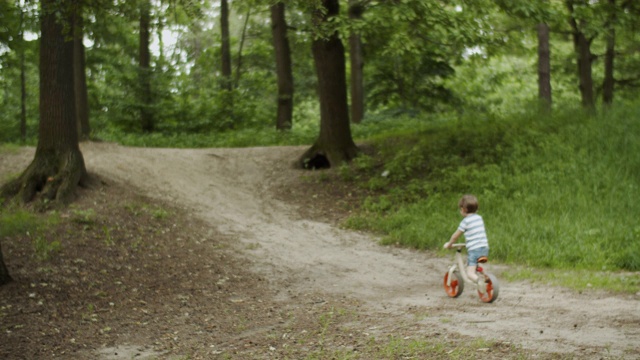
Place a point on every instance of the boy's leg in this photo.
(471, 273)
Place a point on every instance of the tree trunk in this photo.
(357, 64)
(146, 99)
(544, 67)
(23, 84)
(227, 96)
(582, 46)
(226, 46)
(609, 81)
(79, 75)
(5, 278)
(243, 38)
(334, 144)
(58, 166)
(284, 72)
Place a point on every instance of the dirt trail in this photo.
(231, 190)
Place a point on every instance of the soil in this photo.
(234, 254)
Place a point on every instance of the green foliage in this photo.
(556, 191)
(305, 131)
(412, 46)
(10, 96)
(420, 56)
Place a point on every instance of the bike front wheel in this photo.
(492, 289)
(454, 286)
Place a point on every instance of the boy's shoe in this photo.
(482, 285)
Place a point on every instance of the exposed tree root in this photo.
(50, 177)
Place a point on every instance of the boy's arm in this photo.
(453, 239)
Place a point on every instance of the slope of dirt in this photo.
(229, 253)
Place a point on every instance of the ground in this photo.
(234, 254)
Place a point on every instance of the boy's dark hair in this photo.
(469, 203)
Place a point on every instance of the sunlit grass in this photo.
(556, 192)
(579, 280)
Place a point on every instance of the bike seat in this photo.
(482, 259)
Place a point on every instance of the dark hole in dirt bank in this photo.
(318, 161)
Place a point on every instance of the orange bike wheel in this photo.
(455, 288)
(493, 289)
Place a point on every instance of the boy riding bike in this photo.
(477, 244)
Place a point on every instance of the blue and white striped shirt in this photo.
(474, 233)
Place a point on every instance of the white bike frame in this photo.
(459, 264)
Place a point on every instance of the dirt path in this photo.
(231, 189)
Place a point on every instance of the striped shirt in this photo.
(474, 233)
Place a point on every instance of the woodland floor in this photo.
(233, 254)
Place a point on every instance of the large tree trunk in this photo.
(58, 166)
(582, 47)
(356, 8)
(284, 72)
(5, 278)
(226, 46)
(544, 67)
(146, 99)
(609, 81)
(334, 144)
(80, 77)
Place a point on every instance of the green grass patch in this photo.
(555, 191)
(17, 221)
(579, 280)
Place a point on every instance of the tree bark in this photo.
(284, 72)
(58, 166)
(582, 47)
(79, 75)
(5, 278)
(357, 64)
(243, 38)
(544, 67)
(609, 58)
(334, 144)
(146, 99)
(226, 46)
(23, 83)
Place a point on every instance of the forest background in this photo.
(531, 105)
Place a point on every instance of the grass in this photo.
(15, 221)
(397, 347)
(556, 192)
(580, 280)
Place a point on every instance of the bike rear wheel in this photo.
(492, 291)
(454, 287)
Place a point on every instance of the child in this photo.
(475, 236)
